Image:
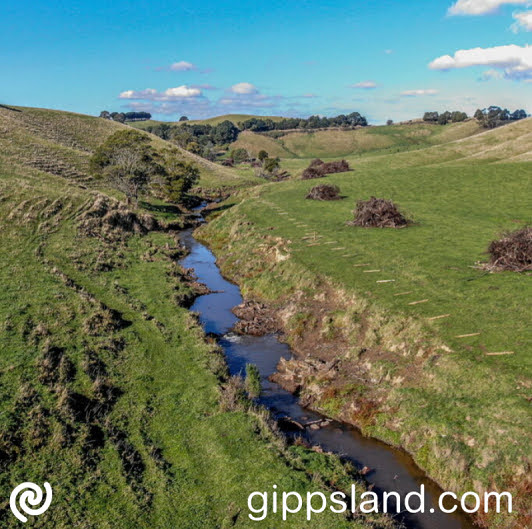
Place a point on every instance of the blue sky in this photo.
(385, 59)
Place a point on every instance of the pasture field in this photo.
(109, 389)
(448, 342)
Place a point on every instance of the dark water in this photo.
(391, 469)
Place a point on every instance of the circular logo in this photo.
(31, 494)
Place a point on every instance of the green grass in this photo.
(62, 143)
(164, 454)
(442, 397)
(345, 143)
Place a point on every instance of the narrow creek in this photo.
(391, 469)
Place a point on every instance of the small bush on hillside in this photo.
(319, 168)
(378, 213)
(512, 252)
(324, 192)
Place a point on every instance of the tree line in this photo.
(205, 139)
(122, 117)
(493, 116)
(445, 117)
(352, 120)
(489, 118)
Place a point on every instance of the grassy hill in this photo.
(345, 143)
(61, 143)
(434, 353)
(109, 390)
(234, 118)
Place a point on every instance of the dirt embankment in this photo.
(358, 363)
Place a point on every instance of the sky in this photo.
(385, 59)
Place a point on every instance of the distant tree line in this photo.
(205, 139)
(122, 117)
(445, 117)
(490, 117)
(493, 116)
(313, 122)
(200, 139)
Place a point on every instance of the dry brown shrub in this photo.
(378, 213)
(512, 252)
(324, 192)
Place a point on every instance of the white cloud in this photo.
(388, 52)
(182, 66)
(171, 94)
(481, 7)
(182, 91)
(522, 21)
(423, 92)
(491, 74)
(366, 85)
(515, 61)
(244, 89)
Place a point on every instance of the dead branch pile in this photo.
(324, 192)
(513, 251)
(318, 168)
(378, 213)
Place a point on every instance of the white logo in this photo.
(33, 495)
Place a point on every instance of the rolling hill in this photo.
(433, 351)
(61, 143)
(108, 388)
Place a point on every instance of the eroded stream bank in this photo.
(390, 469)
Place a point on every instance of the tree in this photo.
(389, 122)
(271, 165)
(118, 116)
(431, 117)
(104, 114)
(518, 114)
(178, 177)
(183, 118)
(128, 161)
(262, 155)
(239, 155)
(225, 132)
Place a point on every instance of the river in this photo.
(390, 469)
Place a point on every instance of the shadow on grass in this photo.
(169, 209)
(10, 108)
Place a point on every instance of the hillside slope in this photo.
(61, 143)
(344, 143)
(433, 352)
(108, 389)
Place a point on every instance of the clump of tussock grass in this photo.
(324, 192)
(512, 252)
(378, 213)
(109, 219)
